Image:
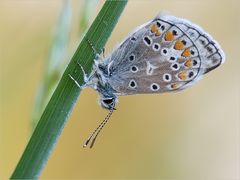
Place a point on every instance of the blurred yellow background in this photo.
(193, 134)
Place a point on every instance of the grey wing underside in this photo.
(167, 68)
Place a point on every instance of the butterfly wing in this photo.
(166, 54)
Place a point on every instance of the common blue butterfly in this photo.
(166, 54)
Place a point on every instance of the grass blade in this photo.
(64, 97)
(56, 61)
(54, 65)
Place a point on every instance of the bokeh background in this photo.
(194, 134)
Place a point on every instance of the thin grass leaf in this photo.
(64, 97)
(55, 63)
(86, 14)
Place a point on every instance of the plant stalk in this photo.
(56, 113)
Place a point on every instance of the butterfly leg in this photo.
(75, 81)
(85, 77)
(89, 80)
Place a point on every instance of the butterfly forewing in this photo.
(166, 54)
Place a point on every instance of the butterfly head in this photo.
(108, 102)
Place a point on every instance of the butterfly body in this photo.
(166, 54)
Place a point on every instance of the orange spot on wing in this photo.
(174, 86)
(158, 33)
(186, 53)
(178, 45)
(154, 28)
(188, 63)
(183, 75)
(169, 36)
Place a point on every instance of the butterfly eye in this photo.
(108, 101)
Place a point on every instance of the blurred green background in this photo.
(193, 134)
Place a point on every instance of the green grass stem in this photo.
(56, 113)
(55, 64)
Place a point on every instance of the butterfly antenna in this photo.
(98, 130)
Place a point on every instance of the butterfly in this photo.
(166, 54)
